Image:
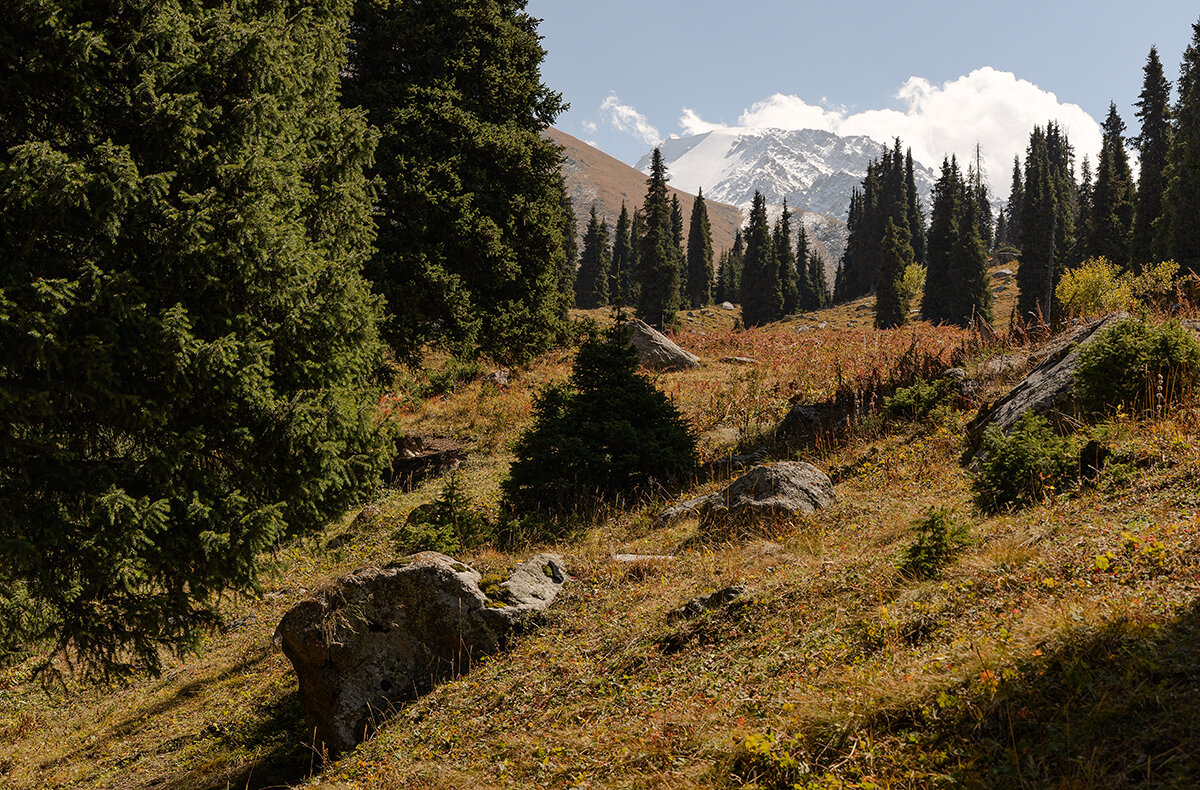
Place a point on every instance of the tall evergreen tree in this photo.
(969, 259)
(1153, 144)
(729, 276)
(762, 293)
(1181, 221)
(895, 256)
(1002, 228)
(884, 194)
(785, 259)
(807, 297)
(699, 255)
(632, 287)
(470, 244)
(620, 273)
(659, 257)
(595, 263)
(1049, 211)
(977, 182)
(816, 273)
(186, 338)
(916, 217)
(1108, 231)
(941, 285)
(677, 235)
(1015, 205)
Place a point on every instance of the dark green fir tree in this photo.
(896, 255)
(595, 262)
(785, 259)
(1181, 223)
(1153, 144)
(621, 272)
(187, 343)
(1108, 227)
(699, 255)
(659, 257)
(762, 293)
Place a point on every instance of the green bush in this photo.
(1137, 365)
(452, 523)
(1024, 467)
(606, 433)
(938, 539)
(919, 400)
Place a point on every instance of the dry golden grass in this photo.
(1028, 662)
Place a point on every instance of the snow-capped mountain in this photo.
(813, 170)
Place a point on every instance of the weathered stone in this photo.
(497, 378)
(739, 360)
(1047, 388)
(768, 493)
(727, 306)
(382, 636)
(656, 350)
(720, 599)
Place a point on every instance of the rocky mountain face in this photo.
(813, 170)
(595, 178)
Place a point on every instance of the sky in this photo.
(941, 75)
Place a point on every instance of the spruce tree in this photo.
(186, 339)
(591, 283)
(895, 255)
(1108, 231)
(941, 287)
(1181, 221)
(699, 255)
(807, 297)
(816, 274)
(677, 235)
(762, 293)
(1015, 205)
(470, 242)
(622, 261)
(659, 257)
(1002, 228)
(632, 287)
(729, 278)
(1037, 278)
(969, 259)
(1153, 144)
(786, 261)
(977, 183)
(916, 217)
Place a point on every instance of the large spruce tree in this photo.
(1181, 223)
(699, 255)
(729, 274)
(659, 257)
(591, 282)
(471, 242)
(895, 256)
(1049, 209)
(1108, 230)
(1015, 205)
(1153, 143)
(785, 259)
(622, 272)
(942, 287)
(186, 339)
(762, 293)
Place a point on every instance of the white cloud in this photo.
(589, 126)
(627, 119)
(991, 107)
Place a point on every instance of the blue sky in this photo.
(939, 74)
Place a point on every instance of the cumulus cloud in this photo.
(990, 107)
(589, 126)
(627, 119)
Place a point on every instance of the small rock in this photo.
(766, 493)
(656, 350)
(497, 378)
(727, 306)
(720, 599)
(1002, 274)
(822, 325)
(740, 360)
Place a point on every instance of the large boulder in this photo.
(382, 636)
(764, 495)
(656, 350)
(1048, 388)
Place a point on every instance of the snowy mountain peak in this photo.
(814, 170)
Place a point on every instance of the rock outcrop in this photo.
(766, 494)
(382, 636)
(1047, 388)
(656, 350)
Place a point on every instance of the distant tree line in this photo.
(1055, 218)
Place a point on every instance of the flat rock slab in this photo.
(767, 493)
(656, 350)
(382, 636)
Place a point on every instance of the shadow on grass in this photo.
(1115, 706)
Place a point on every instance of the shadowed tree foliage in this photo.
(896, 255)
(591, 281)
(620, 281)
(1181, 223)
(186, 341)
(789, 280)
(472, 239)
(1154, 145)
(762, 293)
(607, 432)
(659, 257)
(1108, 230)
(699, 255)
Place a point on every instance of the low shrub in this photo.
(1025, 467)
(938, 539)
(919, 400)
(449, 525)
(1138, 366)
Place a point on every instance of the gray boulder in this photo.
(1047, 388)
(383, 636)
(765, 494)
(656, 350)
